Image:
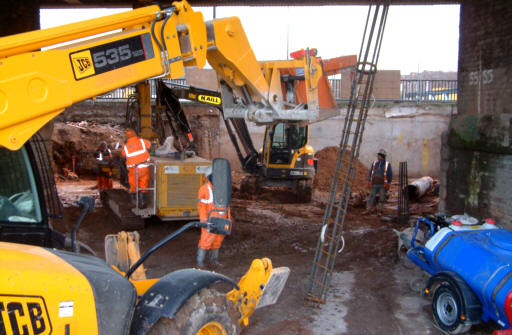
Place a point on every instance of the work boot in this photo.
(379, 209)
(133, 198)
(214, 259)
(201, 254)
(368, 209)
(143, 200)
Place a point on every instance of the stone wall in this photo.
(408, 132)
(477, 150)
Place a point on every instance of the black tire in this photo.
(250, 185)
(447, 309)
(304, 190)
(207, 308)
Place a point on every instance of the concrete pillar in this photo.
(478, 160)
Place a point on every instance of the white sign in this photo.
(171, 169)
(203, 169)
(65, 309)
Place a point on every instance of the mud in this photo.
(370, 289)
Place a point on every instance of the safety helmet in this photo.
(130, 133)
(382, 152)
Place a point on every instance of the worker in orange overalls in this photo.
(136, 152)
(103, 158)
(209, 241)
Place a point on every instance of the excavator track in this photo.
(118, 202)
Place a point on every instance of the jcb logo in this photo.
(82, 64)
(24, 315)
(209, 99)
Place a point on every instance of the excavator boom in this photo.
(138, 45)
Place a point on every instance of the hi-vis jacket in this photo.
(383, 169)
(103, 155)
(205, 204)
(136, 151)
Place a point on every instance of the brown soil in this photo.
(78, 141)
(379, 301)
(326, 165)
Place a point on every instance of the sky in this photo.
(417, 38)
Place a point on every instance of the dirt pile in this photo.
(326, 165)
(77, 141)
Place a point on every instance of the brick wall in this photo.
(477, 153)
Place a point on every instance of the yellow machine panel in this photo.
(178, 183)
(29, 306)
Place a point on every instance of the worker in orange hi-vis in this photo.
(209, 241)
(103, 159)
(136, 152)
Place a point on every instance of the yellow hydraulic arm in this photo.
(148, 42)
(35, 85)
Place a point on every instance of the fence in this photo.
(428, 90)
(410, 90)
(125, 92)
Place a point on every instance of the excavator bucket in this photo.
(122, 251)
(274, 287)
(259, 287)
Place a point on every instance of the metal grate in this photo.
(348, 153)
(403, 194)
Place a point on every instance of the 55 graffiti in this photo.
(485, 77)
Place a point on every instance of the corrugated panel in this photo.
(182, 190)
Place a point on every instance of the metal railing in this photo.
(125, 92)
(428, 90)
(410, 90)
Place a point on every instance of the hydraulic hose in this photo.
(158, 245)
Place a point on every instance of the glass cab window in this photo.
(19, 201)
(286, 139)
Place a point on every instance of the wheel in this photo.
(250, 185)
(447, 309)
(304, 190)
(208, 312)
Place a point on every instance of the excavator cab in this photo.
(28, 196)
(288, 159)
(284, 142)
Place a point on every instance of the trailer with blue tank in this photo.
(470, 267)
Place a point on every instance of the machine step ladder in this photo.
(348, 152)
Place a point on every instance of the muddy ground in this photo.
(371, 289)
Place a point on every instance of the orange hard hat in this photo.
(130, 133)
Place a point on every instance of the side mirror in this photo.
(221, 180)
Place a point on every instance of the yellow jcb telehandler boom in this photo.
(45, 291)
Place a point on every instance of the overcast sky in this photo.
(416, 38)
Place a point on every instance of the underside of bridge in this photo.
(476, 167)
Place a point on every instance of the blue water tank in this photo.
(483, 258)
